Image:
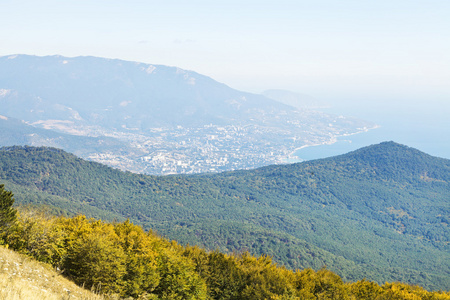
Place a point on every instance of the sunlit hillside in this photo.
(24, 278)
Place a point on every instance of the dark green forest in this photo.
(380, 213)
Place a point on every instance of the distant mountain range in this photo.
(152, 118)
(122, 95)
(381, 212)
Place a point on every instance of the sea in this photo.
(424, 125)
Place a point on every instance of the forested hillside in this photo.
(381, 212)
(120, 261)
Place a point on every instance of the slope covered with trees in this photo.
(381, 212)
(121, 260)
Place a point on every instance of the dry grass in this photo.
(24, 278)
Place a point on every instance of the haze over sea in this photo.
(422, 124)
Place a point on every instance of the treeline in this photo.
(122, 259)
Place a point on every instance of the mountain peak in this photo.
(388, 149)
(394, 160)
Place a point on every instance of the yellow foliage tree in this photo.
(96, 260)
(142, 276)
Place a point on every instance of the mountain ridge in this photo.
(88, 73)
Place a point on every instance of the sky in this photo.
(390, 49)
(386, 61)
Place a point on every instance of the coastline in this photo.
(292, 157)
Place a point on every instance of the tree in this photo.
(142, 276)
(96, 260)
(178, 277)
(364, 289)
(8, 214)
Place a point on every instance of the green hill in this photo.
(381, 212)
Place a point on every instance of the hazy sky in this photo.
(326, 48)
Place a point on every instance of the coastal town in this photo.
(214, 148)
